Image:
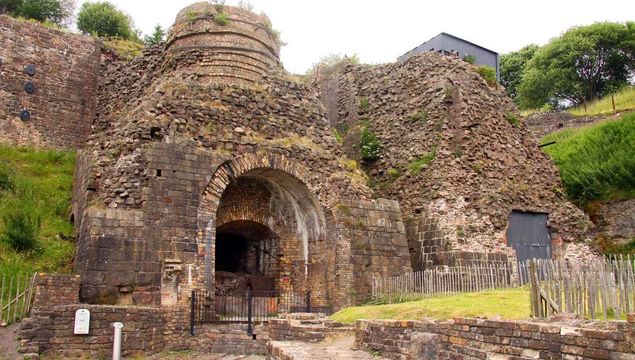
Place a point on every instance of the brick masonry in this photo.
(147, 330)
(63, 104)
(494, 339)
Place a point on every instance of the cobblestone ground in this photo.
(331, 349)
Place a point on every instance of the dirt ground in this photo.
(8, 343)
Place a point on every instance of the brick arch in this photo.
(273, 167)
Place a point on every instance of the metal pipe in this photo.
(116, 345)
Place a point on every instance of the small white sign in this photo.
(82, 322)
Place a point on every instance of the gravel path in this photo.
(8, 343)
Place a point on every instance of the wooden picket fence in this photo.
(16, 297)
(594, 289)
(442, 281)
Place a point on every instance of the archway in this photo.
(263, 203)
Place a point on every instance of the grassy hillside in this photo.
(624, 100)
(597, 162)
(35, 197)
(508, 304)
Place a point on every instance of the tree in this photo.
(583, 64)
(513, 66)
(59, 12)
(103, 19)
(156, 38)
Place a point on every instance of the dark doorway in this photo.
(246, 258)
(529, 236)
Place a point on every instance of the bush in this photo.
(596, 162)
(416, 166)
(488, 73)
(364, 104)
(21, 229)
(469, 58)
(103, 19)
(59, 12)
(6, 181)
(221, 19)
(512, 119)
(370, 147)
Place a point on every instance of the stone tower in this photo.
(210, 167)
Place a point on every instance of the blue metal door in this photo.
(528, 235)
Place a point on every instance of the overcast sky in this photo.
(380, 31)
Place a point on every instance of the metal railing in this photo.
(249, 308)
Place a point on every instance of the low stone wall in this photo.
(490, 339)
(304, 327)
(51, 331)
(147, 330)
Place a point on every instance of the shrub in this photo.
(416, 166)
(394, 173)
(103, 19)
(364, 104)
(58, 12)
(6, 181)
(512, 119)
(488, 73)
(421, 116)
(221, 19)
(469, 58)
(338, 136)
(21, 229)
(125, 49)
(370, 147)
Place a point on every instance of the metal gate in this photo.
(249, 308)
(528, 235)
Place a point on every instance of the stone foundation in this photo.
(493, 339)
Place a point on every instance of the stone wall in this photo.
(62, 106)
(172, 146)
(617, 219)
(147, 330)
(454, 154)
(490, 339)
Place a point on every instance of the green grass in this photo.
(508, 304)
(597, 162)
(624, 100)
(40, 184)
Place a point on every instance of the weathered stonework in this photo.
(62, 105)
(483, 163)
(191, 145)
(495, 339)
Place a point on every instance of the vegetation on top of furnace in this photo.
(369, 145)
(125, 49)
(596, 162)
(35, 198)
(418, 164)
(329, 63)
(488, 73)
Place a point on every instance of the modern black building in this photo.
(452, 45)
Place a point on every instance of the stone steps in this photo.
(330, 349)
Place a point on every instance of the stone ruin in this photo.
(209, 166)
